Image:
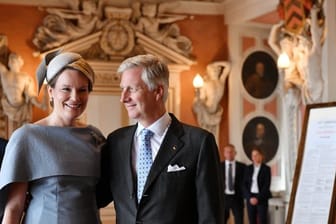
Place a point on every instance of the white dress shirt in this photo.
(254, 186)
(159, 128)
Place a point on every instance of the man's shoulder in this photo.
(122, 131)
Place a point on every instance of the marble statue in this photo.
(18, 92)
(310, 60)
(304, 52)
(206, 104)
(302, 79)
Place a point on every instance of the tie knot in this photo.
(146, 134)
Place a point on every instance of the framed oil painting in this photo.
(259, 74)
(262, 133)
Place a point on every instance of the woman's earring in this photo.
(51, 102)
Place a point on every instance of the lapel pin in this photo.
(174, 147)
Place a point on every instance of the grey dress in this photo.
(62, 166)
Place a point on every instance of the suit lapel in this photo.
(127, 162)
(169, 147)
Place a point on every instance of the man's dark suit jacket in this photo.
(264, 183)
(3, 193)
(238, 180)
(191, 195)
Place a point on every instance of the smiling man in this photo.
(173, 175)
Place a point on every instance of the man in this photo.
(257, 182)
(3, 193)
(233, 173)
(184, 183)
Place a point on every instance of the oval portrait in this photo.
(259, 75)
(261, 132)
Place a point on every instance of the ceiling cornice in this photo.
(234, 11)
(182, 7)
(239, 12)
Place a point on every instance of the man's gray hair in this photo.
(154, 71)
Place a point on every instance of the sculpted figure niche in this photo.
(207, 101)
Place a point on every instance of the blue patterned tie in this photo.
(144, 160)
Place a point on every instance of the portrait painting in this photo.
(261, 132)
(259, 75)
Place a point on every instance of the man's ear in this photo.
(159, 92)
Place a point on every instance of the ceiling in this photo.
(235, 11)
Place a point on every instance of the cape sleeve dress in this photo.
(62, 167)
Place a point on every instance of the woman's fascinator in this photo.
(54, 62)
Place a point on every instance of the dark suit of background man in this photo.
(184, 183)
(257, 182)
(233, 198)
(3, 193)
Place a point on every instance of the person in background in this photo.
(3, 193)
(257, 182)
(56, 160)
(233, 173)
(179, 180)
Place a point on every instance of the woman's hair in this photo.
(257, 149)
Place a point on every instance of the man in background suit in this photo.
(184, 183)
(233, 190)
(257, 182)
(3, 193)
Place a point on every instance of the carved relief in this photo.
(115, 29)
(117, 38)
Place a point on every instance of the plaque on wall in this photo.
(313, 195)
(259, 74)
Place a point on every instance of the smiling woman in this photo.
(57, 157)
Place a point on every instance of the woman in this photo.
(56, 159)
(257, 181)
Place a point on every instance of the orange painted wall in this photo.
(207, 33)
(209, 37)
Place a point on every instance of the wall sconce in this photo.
(283, 61)
(198, 81)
